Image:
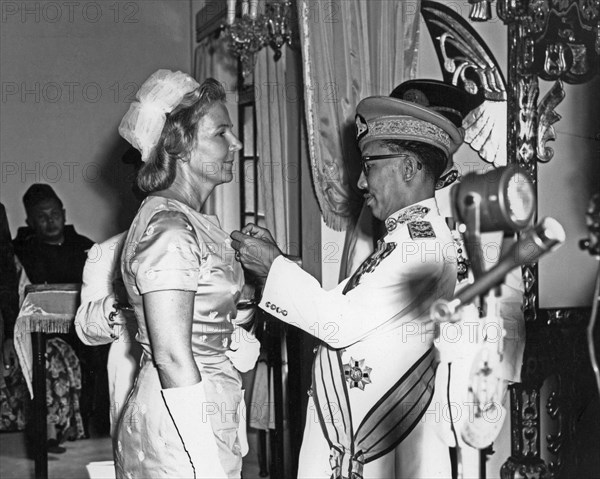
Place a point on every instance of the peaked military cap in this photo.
(448, 100)
(427, 111)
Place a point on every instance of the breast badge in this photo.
(357, 374)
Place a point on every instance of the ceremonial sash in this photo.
(386, 424)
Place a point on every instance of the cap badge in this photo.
(416, 96)
(361, 126)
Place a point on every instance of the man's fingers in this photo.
(237, 235)
(251, 229)
(257, 232)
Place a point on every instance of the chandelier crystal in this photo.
(248, 34)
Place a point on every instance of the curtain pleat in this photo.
(272, 146)
(351, 49)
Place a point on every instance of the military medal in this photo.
(357, 374)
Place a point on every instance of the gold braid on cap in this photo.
(407, 129)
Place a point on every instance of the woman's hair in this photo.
(432, 158)
(178, 136)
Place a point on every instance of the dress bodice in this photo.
(172, 247)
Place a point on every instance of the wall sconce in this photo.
(248, 34)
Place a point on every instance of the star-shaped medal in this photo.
(357, 374)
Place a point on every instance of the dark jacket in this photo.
(9, 281)
(46, 263)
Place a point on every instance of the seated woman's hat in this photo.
(426, 111)
(159, 95)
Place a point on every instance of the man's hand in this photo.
(255, 249)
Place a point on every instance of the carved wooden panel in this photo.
(554, 40)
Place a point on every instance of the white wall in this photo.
(68, 72)
(566, 184)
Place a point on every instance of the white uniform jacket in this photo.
(382, 325)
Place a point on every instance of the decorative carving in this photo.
(530, 420)
(546, 118)
(481, 10)
(466, 62)
(592, 220)
(530, 470)
(529, 273)
(557, 40)
(528, 92)
(524, 461)
(555, 441)
(562, 37)
(566, 318)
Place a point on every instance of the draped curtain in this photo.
(351, 49)
(274, 130)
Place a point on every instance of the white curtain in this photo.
(351, 49)
(274, 130)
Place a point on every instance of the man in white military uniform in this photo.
(374, 373)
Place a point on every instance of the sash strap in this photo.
(386, 424)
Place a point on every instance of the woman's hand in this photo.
(243, 350)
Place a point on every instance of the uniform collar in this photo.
(414, 212)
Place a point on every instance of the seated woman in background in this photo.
(184, 284)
